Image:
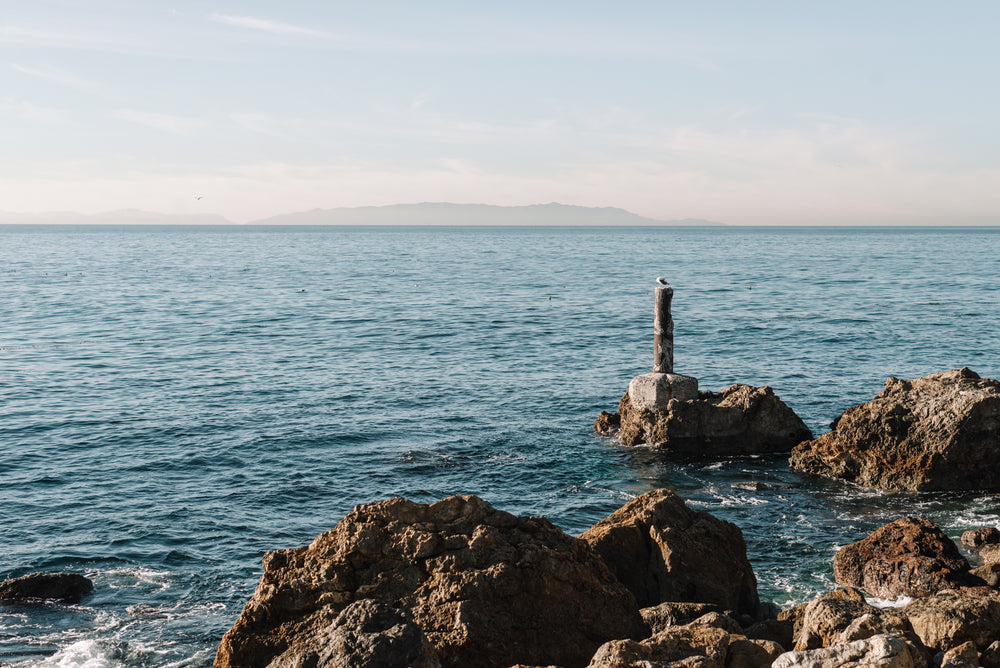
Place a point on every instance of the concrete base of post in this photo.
(655, 390)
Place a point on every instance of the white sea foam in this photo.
(81, 654)
(888, 602)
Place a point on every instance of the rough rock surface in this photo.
(980, 537)
(486, 588)
(664, 551)
(66, 587)
(886, 651)
(672, 613)
(366, 634)
(737, 421)
(939, 432)
(950, 618)
(963, 656)
(908, 557)
(836, 618)
(707, 642)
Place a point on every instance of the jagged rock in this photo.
(949, 619)
(608, 424)
(700, 643)
(886, 651)
(366, 634)
(908, 557)
(673, 613)
(989, 573)
(65, 587)
(837, 618)
(990, 657)
(980, 537)
(989, 554)
(664, 551)
(486, 588)
(739, 420)
(939, 432)
(780, 632)
(963, 656)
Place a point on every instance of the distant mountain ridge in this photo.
(444, 213)
(426, 213)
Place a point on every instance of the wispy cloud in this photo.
(33, 112)
(267, 25)
(62, 77)
(177, 125)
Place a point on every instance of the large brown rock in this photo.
(950, 618)
(485, 587)
(939, 432)
(908, 557)
(664, 551)
(739, 420)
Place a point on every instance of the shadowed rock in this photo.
(664, 551)
(739, 420)
(65, 587)
(485, 587)
(939, 432)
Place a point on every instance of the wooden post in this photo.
(663, 331)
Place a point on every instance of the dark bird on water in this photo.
(661, 280)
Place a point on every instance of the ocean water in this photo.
(176, 401)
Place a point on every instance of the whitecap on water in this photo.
(81, 654)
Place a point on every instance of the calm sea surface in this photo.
(176, 401)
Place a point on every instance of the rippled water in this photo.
(176, 401)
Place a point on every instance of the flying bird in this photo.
(661, 280)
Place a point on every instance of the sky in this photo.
(763, 113)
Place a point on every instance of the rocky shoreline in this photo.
(460, 583)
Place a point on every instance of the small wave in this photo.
(81, 654)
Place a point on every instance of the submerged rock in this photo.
(939, 432)
(65, 587)
(739, 420)
(486, 588)
(908, 557)
(664, 551)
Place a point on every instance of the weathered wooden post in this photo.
(663, 330)
(655, 390)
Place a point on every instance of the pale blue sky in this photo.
(747, 113)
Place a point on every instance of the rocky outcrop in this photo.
(950, 618)
(739, 420)
(939, 432)
(64, 587)
(486, 588)
(366, 634)
(708, 642)
(908, 557)
(664, 551)
(980, 537)
(884, 651)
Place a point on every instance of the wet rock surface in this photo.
(939, 432)
(64, 587)
(908, 557)
(739, 420)
(664, 551)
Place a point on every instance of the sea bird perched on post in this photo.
(661, 280)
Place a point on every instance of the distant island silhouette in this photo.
(426, 213)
